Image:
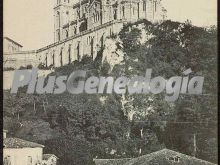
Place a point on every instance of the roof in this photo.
(47, 156)
(19, 143)
(110, 161)
(162, 157)
(165, 157)
(9, 39)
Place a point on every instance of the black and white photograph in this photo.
(110, 82)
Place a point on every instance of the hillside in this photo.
(77, 128)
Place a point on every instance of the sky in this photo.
(30, 22)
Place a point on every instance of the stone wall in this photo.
(20, 156)
(86, 43)
(74, 43)
(20, 59)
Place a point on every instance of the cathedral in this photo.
(81, 27)
(72, 18)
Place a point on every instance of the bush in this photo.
(8, 69)
(29, 66)
(43, 67)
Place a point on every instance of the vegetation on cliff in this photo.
(78, 128)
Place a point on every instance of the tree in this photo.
(84, 126)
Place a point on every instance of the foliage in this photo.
(8, 69)
(82, 127)
(43, 67)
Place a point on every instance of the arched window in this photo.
(78, 13)
(67, 33)
(75, 30)
(92, 46)
(69, 53)
(144, 5)
(61, 57)
(97, 17)
(94, 19)
(46, 60)
(102, 41)
(123, 11)
(78, 51)
(53, 58)
(88, 40)
(115, 14)
(66, 18)
(58, 19)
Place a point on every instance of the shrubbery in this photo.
(83, 126)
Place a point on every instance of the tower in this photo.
(62, 13)
(72, 17)
(106, 10)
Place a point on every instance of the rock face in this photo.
(111, 53)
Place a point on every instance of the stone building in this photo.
(22, 152)
(11, 46)
(73, 18)
(81, 28)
